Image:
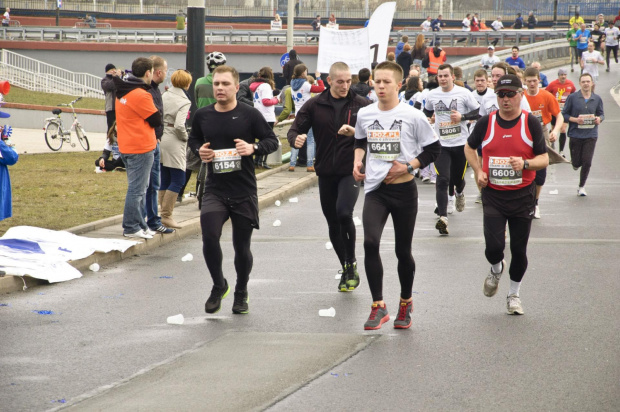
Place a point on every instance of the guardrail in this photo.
(14, 23)
(86, 25)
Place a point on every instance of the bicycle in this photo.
(55, 135)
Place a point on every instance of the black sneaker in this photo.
(240, 307)
(378, 316)
(342, 285)
(214, 303)
(403, 320)
(353, 278)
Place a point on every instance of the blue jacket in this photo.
(8, 158)
(543, 80)
(576, 105)
(516, 62)
(399, 48)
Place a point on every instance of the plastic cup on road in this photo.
(187, 258)
(328, 313)
(176, 320)
(94, 267)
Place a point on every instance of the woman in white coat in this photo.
(174, 144)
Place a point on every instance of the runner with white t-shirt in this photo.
(490, 59)
(480, 93)
(612, 34)
(301, 92)
(590, 61)
(396, 140)
(466, 23)
(453, 107)
(426, 24)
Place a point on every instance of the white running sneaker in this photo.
(492, 281)
(513, 304)
(139, 234)
(426, 179)
(460, 202)
(537, 212)
(582, 192)
(148, 231)
(450, 206)
(442, 225)
(479, 198)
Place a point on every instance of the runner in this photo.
(612, 34)
(590, 60)
(453, 107)
(584, 112)
(332, 116)
(544, 105)
(582, 37)
(223, 135)
(561, 88)
(488, 104)
(489, 60)
(514, 59)
(513, 147)
(398, 140)
(572, 42)
(482, 92)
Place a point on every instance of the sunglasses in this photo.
(510, 95)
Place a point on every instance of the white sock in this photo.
(497, 268)
(459, 194)
(450, 197)
(514, 288)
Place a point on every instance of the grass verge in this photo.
(19, 95)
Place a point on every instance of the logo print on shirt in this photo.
(441, 106)
(375, 126)
(235, 117)
(397, 125)
(491, 109)
(506, 136)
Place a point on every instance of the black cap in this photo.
(509, 82)
(109, 67)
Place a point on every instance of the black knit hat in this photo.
(109, 67)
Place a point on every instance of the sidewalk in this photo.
(275, 184)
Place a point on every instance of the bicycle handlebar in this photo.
(72, 103)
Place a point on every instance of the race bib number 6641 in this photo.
(384, 144)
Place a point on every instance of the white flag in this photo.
(379, 28)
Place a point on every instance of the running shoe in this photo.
(139, 234)
(450, 206)
(492, 281)
(442, 225)
(352, 277)
(426, 179)
(513, 304)
(342, 285)
(582, 192)
(460, 202)
(378, 316)
(214, 303)
(403, 320)
(240, 305)
(537, 212)
(479, 198)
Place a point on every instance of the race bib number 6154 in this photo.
(226, 161)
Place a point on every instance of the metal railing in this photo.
(85, 25)
(35, 75)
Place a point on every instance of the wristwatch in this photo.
(409, 169)
(255, 147)
(525, 164)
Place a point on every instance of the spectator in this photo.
(433, 59)
(419, 50)
(174, 144)
(276, 17)
(532, 21)
(401, 45)
(203, 89)
(515, 60)
(137, 117)
(332, 19)
(316, 26)
(6, 20)
(265, 99)
(413, 89)
(458, 78)
(8, 157)
(544, 82)
(244, 94)
(405, 60)
(390, 57)
(180, 20)
(362, 87)
(107, 85)
(91, 21)
(576, 19)
(110, 148)
(296, 8)
(287, 70)
(518, 24)
(497, 25)
(426, 24)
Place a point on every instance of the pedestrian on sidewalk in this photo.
(110, 149)
(266, 97)
(136, 120)
(224, 135)
(174, 144)
(513, 148)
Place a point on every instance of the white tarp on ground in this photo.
(43, 253)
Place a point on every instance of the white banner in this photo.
(379, 28)
(349, 46)
(358, 48)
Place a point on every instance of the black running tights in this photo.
(450, 166)
(495, 239)
(581, 154)
(212, 223)
(400, 201)
(609, 49)
(338, 196)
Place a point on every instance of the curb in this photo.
(189, 227)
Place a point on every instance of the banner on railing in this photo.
(276, 25)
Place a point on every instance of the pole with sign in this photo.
(58, 6)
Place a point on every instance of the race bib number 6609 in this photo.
(226, 161)
(501, 172)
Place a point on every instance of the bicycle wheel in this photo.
(200, 182)
(82, 137)
(53, 136)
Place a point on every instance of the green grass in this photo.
(19, 95)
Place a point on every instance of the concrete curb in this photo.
(189, 227)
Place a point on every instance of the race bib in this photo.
(226, 161)
(583, 40)
(595, 37)
(449, 130)
(538, 114)
(501, 172)
(590, 61)
(562, 105)
(588, 121)
(384, 144)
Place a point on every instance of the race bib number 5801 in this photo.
(501, 172)
(226, 161)
(384, 144)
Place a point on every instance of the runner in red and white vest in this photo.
(513, 148)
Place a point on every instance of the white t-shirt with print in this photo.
(422, 98)
(489, 104)
(611, 36)
(301, 96)
(489, 60)
(414, 133)
(451, 133)
(264, 91)
(590, 62)
(410, 101)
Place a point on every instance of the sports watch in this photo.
(255, 147)
(525, 164)
(409, 169)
